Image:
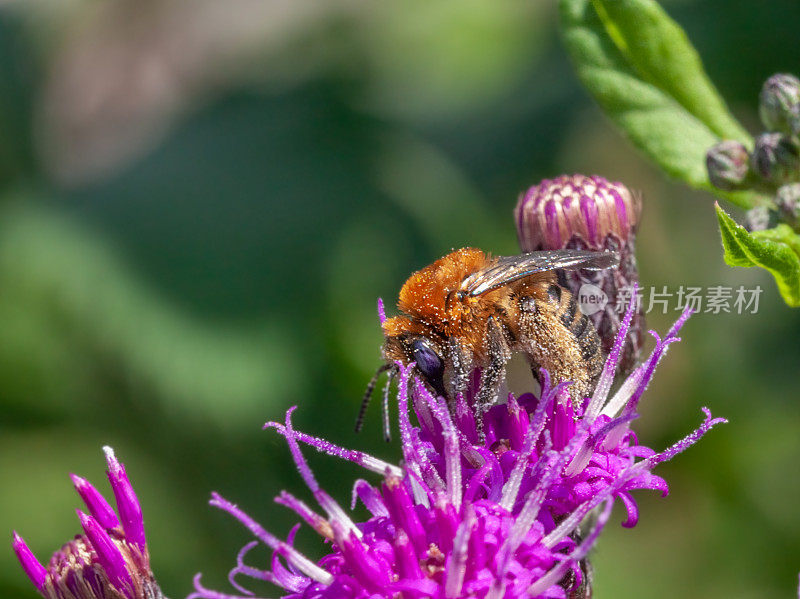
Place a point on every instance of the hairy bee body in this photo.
(554, 334)
(468, 310)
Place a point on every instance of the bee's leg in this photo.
(564, 341)
(387, 427)
(362, 411)
(491, 376)
(584, 590)
(462, 362)
(527, 319)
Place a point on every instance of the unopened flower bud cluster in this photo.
(774, 162)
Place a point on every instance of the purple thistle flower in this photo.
(110, 560)
(464, 518)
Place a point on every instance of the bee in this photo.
(470, 310)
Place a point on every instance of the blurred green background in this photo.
(200, 202)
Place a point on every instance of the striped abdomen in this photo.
(556, 335)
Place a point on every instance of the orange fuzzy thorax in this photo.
(430, 299)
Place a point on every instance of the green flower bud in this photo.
(780, 94)
(794, 120)
(776, 158)
(788, 202)
(760, 218)
(728, 165)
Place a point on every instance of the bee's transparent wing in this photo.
(507, 269)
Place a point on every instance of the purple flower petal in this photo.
(130, 512)
(35, 570)
(97, 505)
(108, 554)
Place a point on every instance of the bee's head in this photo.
(410, 344)
(430, 362)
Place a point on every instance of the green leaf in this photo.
(643, 71)
(662, 55)
(776, 250)
(783, 234)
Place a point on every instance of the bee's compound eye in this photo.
(428, 361)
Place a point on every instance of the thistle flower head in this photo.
(497, 518)
(591, 212)
(582, 212)
(110, 559)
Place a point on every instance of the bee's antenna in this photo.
(362, 411)
(387, 426)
